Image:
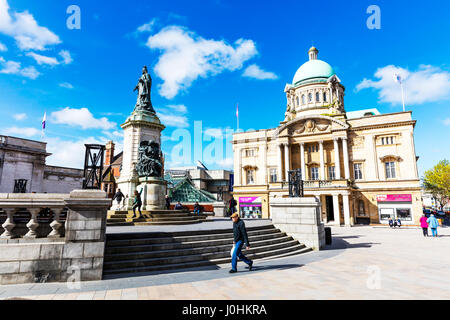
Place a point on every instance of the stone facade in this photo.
(362, 168)
(22, 159)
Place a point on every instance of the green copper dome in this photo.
(313, 69)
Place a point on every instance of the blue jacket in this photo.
(433, 222)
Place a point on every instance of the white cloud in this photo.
(66, 85)
(3, 47)
(20, 116)
(25, 30)
(180, 108)
(214, 132)
(82, 118)
(40, 59)
(14, 67)
(226, 163)
(186, 57)
(171, 120)
(427, 84)
(69, 153)
(21, 132)
(254, 71)
(147, 27)
(67, 58)
(447, 122)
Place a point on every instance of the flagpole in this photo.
(403, 96)
(237, 116)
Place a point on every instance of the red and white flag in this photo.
(237, 111)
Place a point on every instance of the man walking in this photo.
(118, 196)
(240, 238)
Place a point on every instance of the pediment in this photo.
(313, 124)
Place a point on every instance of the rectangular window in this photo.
(331, 173)
(273, 175)
(404, 214)
(250, 176)
(390, 170)
(314, 173)
(387, 213)
(250, 153)
(382, 141)
(358, 171)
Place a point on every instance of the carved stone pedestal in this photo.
(153, 195)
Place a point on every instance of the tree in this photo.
(437, 181)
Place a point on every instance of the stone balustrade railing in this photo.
(51, 236)
(46, 212)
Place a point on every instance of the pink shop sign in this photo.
(394, 198)
(249, 199)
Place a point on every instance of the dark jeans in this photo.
(238, 254)
(425, 232)
(137, 205)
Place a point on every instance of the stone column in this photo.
(33, 224)
(337, 159)
(322, 161)
(336, 211)
(346, 158)
(411, 138)
(280, 165)
(287, 161)
(346, 210)
(8, 225)
(302, 160)
(375, 159)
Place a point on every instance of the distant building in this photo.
(23, 169)
(111, 169)
(362, 165)
(212, 184)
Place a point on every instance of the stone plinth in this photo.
(299, 218)
(153, 195)
(220, 209)
(140, 126)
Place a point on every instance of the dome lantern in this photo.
(313, 52)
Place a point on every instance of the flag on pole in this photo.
(397, 78)
(44, 120)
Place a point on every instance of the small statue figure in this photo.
(144, 87)
(149, 162)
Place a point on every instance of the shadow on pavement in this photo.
(279, 267)
(339, 243)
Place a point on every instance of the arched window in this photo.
(324, 97)
(310, 97)
(317, 97)
(250, 172)
(303, 99)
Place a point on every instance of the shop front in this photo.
(250, 207)
(395, 206)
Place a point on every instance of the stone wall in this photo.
(299, 218)
(61, 180)
(75, 255)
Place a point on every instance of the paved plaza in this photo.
(363, 263)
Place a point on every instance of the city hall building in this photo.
(362, 165)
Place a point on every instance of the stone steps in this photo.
(135, 253)
(156, 217)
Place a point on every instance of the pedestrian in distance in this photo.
(233, 205)
(167, 202)
(397, 223)
(125, 203)
(433, 223)
(178, 206)
(137, 203)
(391, 223)
(424, 225)
(118, 197)
(197, 208)
(240, 238)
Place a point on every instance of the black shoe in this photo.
(232, 271)
(250, 266)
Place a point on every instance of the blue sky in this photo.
(206, 58)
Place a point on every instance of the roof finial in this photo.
(313, 53)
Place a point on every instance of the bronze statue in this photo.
(149, 162)
(144, 87)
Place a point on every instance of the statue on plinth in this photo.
(149, 163)
(144, 87)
